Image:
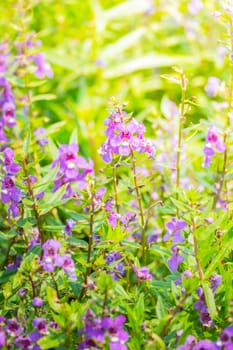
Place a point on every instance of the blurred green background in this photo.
(100, 48)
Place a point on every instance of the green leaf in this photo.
(160, 311)
(43, 97)
(52, 297)
(52, 200)
(209, 298)
(27, 141)
(6, 275)
(51, 341)
(218, 258)
(46, 180)
(74, 137)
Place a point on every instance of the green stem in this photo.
(181, 119)
(199, 268)
(90, 246)
(139, 199)
(34, 205)
(114, 174)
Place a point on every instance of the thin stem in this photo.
(166, 327)
(56, 286)
(90, 242)
(33, 291)
(139, 199)
(34, 205)
(199, 268)
(114, 174)
(90, 246)
(105, 302)
(181, 119)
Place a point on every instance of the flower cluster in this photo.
(143, 274)
(117, 266)
(225, 342)
(174, 229)
(51, 259)
(98, 332)
(9, 192)
(73, 170)
(201, 306)
(11, 332)
(7, 100)
(7, 106)
(40, 138)
(213, 143)
(124, 136)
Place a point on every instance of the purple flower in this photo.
(50, 252)
(205, 345)
(37, 302)
(13, 328)
(200, 305)
(70, 224)
(22, 292)
(113, 329)
(40, 324)
(143, 274)
(2, 338)
(215, 282)
(106, 331)
(10, 167)
(43, 68)
(11, 194)
(155, 236)
(213, 143)
(66, 262)
(226, 338)
(212, 86)
(8, 114)
(117, 267)
(23, 343)
(189, 344)
(174, 228)
(124, 135)
(175, 260)
(41, 140)
(188, 274)
(73, 169)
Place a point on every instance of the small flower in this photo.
(40, 137)
(70, 224)
(117, 267)
(22, 292)
(189, 344)
(50, 252)
(212, 86)
(66, 262)
(43, 68)
(215, 282)
(37, 302)
(143, 274)
(188, 274)
(213, 143)
(226, 338)
(23, 343)
(13, 328)
(174, 228)
(2, 338)
(175, 260)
